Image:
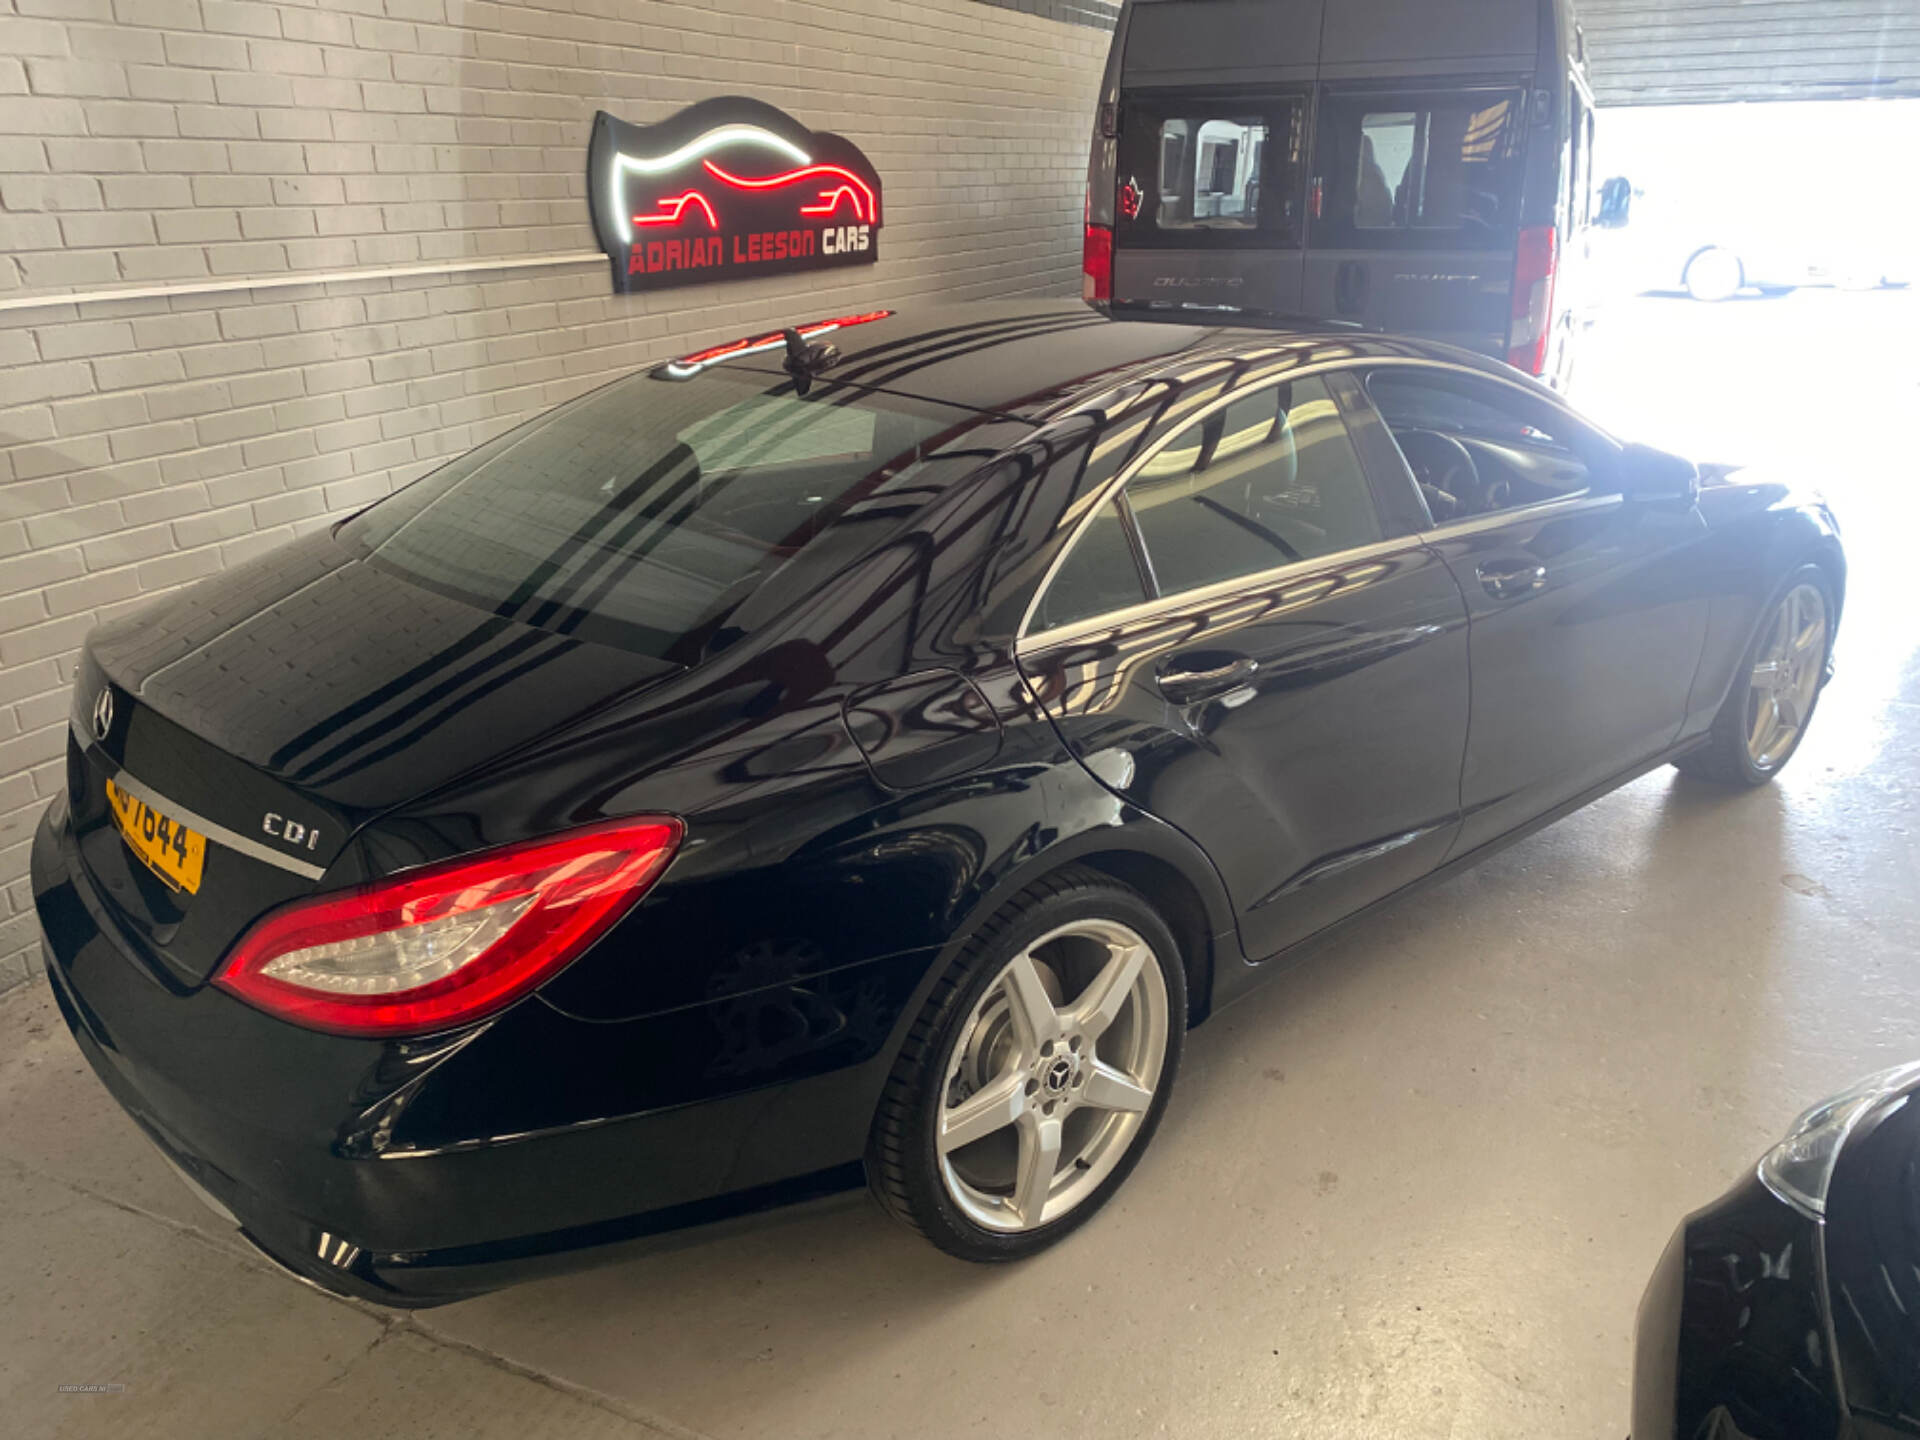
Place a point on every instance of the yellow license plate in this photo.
(172, 851)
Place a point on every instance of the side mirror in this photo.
(1616, 203)
(1649, 474)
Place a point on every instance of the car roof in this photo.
(1032, 359)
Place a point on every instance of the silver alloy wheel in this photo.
(1043, 1094)
(1786, 677)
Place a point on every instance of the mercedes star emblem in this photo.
(103, 714)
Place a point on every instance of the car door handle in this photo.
(1190, 679)
(1510, 582)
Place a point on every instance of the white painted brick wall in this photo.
(144, 443)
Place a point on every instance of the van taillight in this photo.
(1096, 264)
(1533, 274)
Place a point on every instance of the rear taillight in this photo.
(448, 943)
(1096, 264)
(1533, 272)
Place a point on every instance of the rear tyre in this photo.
(1035, 1074)
(1714, 275)
(1774, 694)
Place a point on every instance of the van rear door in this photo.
(1414, 209)
(1210, 199)
(1209, 183)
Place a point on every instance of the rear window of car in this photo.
(644, 514)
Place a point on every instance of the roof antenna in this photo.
(805, 361)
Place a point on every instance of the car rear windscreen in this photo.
(643, 514)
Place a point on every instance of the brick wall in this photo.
(185, 144)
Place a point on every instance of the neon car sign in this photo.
(728, 189)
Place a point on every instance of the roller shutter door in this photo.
(1668, 52)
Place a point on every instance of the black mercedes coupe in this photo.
(862, 750)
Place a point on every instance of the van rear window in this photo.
(1212, 172)
(1396, 169)
(647, 515)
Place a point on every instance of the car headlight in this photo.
(1800, 1168)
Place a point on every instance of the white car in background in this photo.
(1716, 246)
(1726, 264)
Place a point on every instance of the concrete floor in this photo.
(1411, 1189)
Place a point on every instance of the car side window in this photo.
(1269, 479)
(1099, 574)
(1478, 447)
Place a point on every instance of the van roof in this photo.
(1222, 42)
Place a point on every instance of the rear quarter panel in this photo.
(798, 929)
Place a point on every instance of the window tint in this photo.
(1394, 168)
(1212, 172)
(1098, 576)
(1476, 447)
(646, 513)
(1270, 479)
(766, 432)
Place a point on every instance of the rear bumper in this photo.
(409, 1173)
